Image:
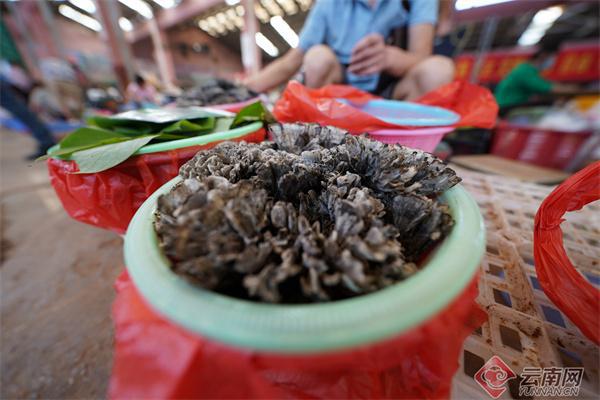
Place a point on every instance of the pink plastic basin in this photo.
(419, 138)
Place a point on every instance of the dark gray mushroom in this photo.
(316, 215)
(213, 91)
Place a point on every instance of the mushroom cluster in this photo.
(314, 215)
(213, 91)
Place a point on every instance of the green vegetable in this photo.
(251, 113)
(89, 136)
(135, 129)
(156, 116)
(84, 138)
(108, 141)
(197, 125)
(104, 157)
(223, 124)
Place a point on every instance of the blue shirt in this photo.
(340, 24)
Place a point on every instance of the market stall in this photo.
(298, 199)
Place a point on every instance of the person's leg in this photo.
(321, 67)
(424, 77)
(18, 108)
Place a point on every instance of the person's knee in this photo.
(434, 72)
(428, 75)
(318, 63)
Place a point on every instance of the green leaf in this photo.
(139, 130)
(159, 124)
(129, 128)
(104, 157)
(65, 153)
(184, 126)
(81, 139)
(222, 124)
(88, 136)
(251, 113)
(185, 129)
(156, 116)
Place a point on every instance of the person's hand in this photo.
(250, 82)
(369, 56)
(444, 27)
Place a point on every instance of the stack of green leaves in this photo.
(108, 141)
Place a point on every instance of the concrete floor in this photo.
(56, 279)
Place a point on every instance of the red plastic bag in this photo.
(475, 105)
(156, 359)
(567, 288)
(108, 199)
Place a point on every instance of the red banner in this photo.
(574, 62)
(577, 63)
(464, 66)
(495, 65)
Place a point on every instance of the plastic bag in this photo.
(566, 287)
(109, 199)
(156, 359)
(475, 105)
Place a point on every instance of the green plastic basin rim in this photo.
(306, 328)
(200, 140)
(192, 141)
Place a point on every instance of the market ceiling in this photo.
(282, 20)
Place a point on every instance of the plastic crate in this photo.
(524, 327)
(543, 147)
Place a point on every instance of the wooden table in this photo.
(510, 168)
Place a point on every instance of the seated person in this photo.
(345, 42)
(525, 80)
(45, 103)
(140, 92)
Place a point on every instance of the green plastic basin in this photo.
(192, 141)
(201, 140)
(308, 327)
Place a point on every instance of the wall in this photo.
(77, 38)
(88, 48)
(143, 49)
(220, 61)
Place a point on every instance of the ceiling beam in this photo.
(172, 16)
(108, 12)
(251, 56)
(506, 9)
